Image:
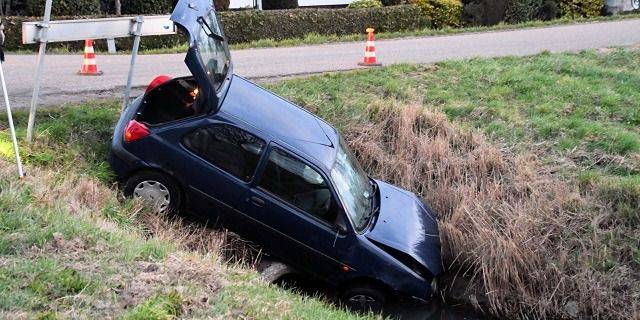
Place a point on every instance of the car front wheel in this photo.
(364, 298)
(156, 189)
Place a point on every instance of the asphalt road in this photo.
(61, 84)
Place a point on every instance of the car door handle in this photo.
(256, 201)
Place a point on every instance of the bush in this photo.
(393, 2)
(365, 4)
(250, 25)
(581, 8)
(483, 12)
(279, 4)
(549, 10)
(522, 10)
(146, 6)
(63, 7)
(441, 13)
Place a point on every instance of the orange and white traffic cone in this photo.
(370, 51)
(89, 66)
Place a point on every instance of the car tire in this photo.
(364, 298)
(157, 188)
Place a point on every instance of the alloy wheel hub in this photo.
(153, 193)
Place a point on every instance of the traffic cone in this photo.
(89, 66)
(370, 51)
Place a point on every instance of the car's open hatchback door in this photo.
(208, 57)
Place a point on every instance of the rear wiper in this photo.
(210, 32)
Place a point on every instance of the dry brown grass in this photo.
(524, 238)
(197, 267)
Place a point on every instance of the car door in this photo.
(208, 57)
(215, 162)
(296, 210)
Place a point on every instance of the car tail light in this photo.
(156, 82)
(135, 131)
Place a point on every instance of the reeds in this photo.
(515, 232)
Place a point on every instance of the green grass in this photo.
(584, 107)
(71, 247)
(580, 113)
(159, 306)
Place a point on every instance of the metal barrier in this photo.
(73, 30)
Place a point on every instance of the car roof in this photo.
(282, 120)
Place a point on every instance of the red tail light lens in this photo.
(135, 131)
(156, 82)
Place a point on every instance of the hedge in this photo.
(63, 7)
(95, 7)
(365, 4)
(526, 10)
(581, 8)
(441, 13)
(250, 25)
(483, 12)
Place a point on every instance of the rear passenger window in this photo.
(300, 185)
(228, 148)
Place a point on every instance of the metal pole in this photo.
(134, 53)
(11, 127)
(36, 86)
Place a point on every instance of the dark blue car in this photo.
(218, 146)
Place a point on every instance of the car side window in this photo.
(300, 185)
(228, 148)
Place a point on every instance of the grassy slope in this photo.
(575, 115)
(71, 247)
(583, 108)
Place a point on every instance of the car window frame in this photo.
(260, 175)
(222, 170)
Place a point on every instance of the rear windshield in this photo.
(213, 49)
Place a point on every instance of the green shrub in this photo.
(365, 4)
(279, 4)
(441, 13)
(549, 10)
(393, 2)
(522, 10)
(581, 8)
(63, 7)
(146, 6)
(250, 25)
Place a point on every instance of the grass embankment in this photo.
(71, 247)
(533, 165)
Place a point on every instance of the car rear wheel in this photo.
(156, 189)
(364, 298)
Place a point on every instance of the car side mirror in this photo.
(341, 225)
(342, 229)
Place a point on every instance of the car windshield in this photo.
(213, 50)
(353, 186)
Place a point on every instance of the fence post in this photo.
(134, 53)
(44, 27)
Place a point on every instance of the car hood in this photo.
(406, 224)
